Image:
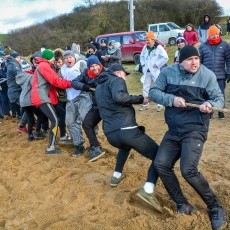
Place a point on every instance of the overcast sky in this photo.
(21, 13)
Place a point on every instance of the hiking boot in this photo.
(39, 135)
(184, 208)
(30, 137)
(79, 150)
(221, 115)
(150, 199)
(115, 181)
(95, 153)
(218, 217)
(22, 129)
(53, 150)
(144, 107)
(65, 140)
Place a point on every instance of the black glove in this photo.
(227, 78)
(86, 88)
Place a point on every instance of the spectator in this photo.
(181, 42)
(103, 50)
(91, 40)
(228, 26)
(190, 35)
(215, 55)
(203, 29)
(92, 50)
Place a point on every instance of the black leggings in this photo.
(128, 139)
(91, 120)
(49, 110)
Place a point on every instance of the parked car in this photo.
(131, 43)
(167, 32)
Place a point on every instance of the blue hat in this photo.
(93, 60)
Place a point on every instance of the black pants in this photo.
(189, 150)
(50, 112)
(60, 111)
(91, 120)
(128, 139)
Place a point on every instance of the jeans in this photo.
(189, 150)
(136, 139)
(5, 103)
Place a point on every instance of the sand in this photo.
(39, 191)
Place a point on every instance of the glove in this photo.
(227, 78)
(86, 88)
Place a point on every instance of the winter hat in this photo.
(68, 53)
(117, 67)
(213, 30)
(150, 35)
(92, 47)
(14, 54)
(187, 52)
(47, 54)
(90, 39)
(180, 39)
(93, 60)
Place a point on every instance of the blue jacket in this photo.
(194, 88)
(216, 58)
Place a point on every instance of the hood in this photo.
(23, 77)
(105, 76)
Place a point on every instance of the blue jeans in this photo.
(5, 104)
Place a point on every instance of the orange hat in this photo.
(150, 35)
(213, 30)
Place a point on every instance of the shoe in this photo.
(95, 153)
(79, 150)
(30, 137)
(114, 181)
(218, 217)
(53, 150)
(150, 199)
(187, 209)
(22, 129)
(159, 107)
(65, 141)
(144, 107)
(221, 115)
(1, 116)
(39, 135)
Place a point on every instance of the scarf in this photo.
(92, 74)
(214, 41)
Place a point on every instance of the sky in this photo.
(16, 14)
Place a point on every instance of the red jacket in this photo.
(191, 37)
(44, 84)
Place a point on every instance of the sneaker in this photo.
(187, 209)
(53, 150)
(159, 107)
(95, 153)
(39, 135)
(30, 137)
(65, 141)
(218, 217)
(221, 115)
(114, 181)
(150, 199)
(79, 150)
(22, 130)
(144, 107)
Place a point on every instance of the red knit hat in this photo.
(213, 30)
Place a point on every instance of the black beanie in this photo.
(187, 52)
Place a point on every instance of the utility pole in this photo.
(131, 13)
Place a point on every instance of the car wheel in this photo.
(136, 59)
(172, 41)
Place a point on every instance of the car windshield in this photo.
(173, 25)
(140, 36)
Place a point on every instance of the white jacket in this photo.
(157, 58)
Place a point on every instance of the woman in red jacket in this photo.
(44, 94)
(190, 35)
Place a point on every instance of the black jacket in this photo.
(114, 102)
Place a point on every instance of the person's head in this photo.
(16, 56)
(91, 40)
(189, 58)
(181, 42)
(48, 55)
(33, 59)
(103, 43)
(150, 38)
(91, 48)
(58, 56)
(119, 70)
(213, 33)
(94, 65)
(69, 58)
(7, 51)
(189, 27)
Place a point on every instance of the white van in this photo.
(167, 32)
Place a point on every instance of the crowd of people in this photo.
(65, 92)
